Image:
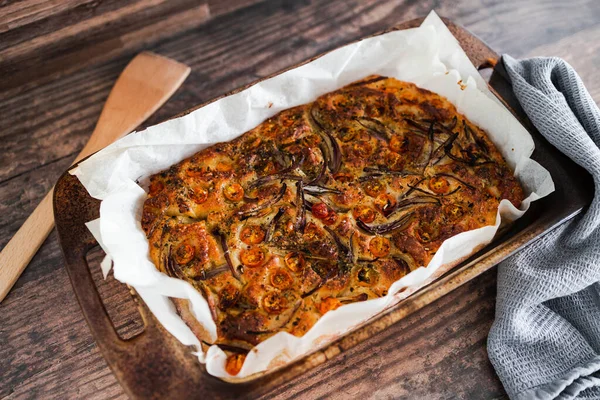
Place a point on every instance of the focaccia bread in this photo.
(322, 205)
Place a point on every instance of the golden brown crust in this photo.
(322, 205)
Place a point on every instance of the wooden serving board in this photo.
(154, 364)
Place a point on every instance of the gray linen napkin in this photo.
(545, 342)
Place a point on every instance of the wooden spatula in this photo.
(145, 84)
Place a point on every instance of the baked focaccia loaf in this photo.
(321, 205)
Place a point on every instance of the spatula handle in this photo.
(22, 247)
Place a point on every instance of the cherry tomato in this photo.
(384, 203)
(281, 279)
(330, 219)
(396, 143)
(379, 246)
(274, 303)
(234, 192)
(374, 188)
(184, 254)
(295, 261)
(198, 195)
(252, 257)
(454, 210)
(252, 234)
(439, 185)
(320, 210)
(364, 213)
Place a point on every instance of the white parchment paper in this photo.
(428, 56)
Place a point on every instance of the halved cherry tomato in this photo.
(234, 192)
(454, 210)
(379, 246)
(330, 219)
(396, 143)
(198, 195)
(364, 213)
(252, 234)
(384, 203)
(274, 303)
(281, 279)
(252, 257)
(320, 210)
(439, 185)
(374, 188)
(184, 253)
(295, 261)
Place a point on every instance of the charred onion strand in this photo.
(435, 194)
(447, 143)
(273, 224)
(417, 200)
(448, 129)
(336, 159)
(172, 267)
(353, 299)
(316, 189)
(342, 248)
(329, 204)
(480, 143)
(301, 212)
(296, 162)
(431, 144)
(268, 203)
(376, 127)
(470, 162)
(321, 173)
(283, 174)
(212, 273)
(249, 199)
(351, 243)
(456, 179)
(319, 285)
(385, 228)
(415, 124)
(275, 177)
(335, 152)
(226, 253)
(412, 187)
(308, 205)
(228, 347)
(379, 172)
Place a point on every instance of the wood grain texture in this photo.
(46, 349)
(144, 85)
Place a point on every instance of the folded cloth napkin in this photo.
(545, 342)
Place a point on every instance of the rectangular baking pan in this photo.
(154, 364)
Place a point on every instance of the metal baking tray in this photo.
(154, 364)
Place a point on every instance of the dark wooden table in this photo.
(58, 61)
